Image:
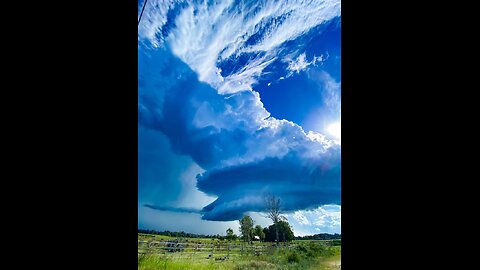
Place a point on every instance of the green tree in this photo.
(230, 234)
(259, 232)
(284, 230)
(265, 232)
(246, 227)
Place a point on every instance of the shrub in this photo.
(336, 243)
(293, 257)
(302, 248)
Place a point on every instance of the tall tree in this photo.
(246, 227)
(273, 209)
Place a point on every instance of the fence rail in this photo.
(215, 250)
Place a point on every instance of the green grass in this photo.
(314, 255)
(150, 237)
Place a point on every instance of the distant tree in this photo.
(320, 236)
(283, 229)
(230, 234)
(259, 232)
(246, 227)
(273, 209)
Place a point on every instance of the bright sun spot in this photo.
(334, 129)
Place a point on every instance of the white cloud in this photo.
(260, 219)
(300, 63)
(300, 218)
(330, 112)
(243, 79)
(204, 35)
(317, 137)
(190, 196)
(299, 17)
(153, 19)
(324, 219)
(327, 218)
(331, 93)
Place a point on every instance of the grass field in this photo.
(302, 254)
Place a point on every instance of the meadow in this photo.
(164, 252)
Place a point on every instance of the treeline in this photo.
(265, 234)
(320, 236)
(181, 234)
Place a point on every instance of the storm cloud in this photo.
(174, 209)
(198, 64)
(244, 151)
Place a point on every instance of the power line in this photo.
(144, 4)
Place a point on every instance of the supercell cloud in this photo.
(198, 66)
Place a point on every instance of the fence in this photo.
(218, 250)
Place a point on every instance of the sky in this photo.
(238, 100)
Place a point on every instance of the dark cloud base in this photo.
(174, 209)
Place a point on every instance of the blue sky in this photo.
(238, 99)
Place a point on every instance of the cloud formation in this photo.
(149, 218)
(205, 35)
(300, 63)
(174, 209)
(217, 119)
(324, 219)
(244, 151)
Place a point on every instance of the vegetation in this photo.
(258, 231)
(230, 235)
(293, 257)
(282, 230)
(306, 254)
(321, 236)
(179, 234)
(246, 228)
(272, 207)
(196, 251)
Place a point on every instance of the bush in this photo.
(293, 257)
(315, 249)
(336, 243)
(302, 248)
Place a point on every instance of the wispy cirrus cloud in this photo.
(204, 35)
